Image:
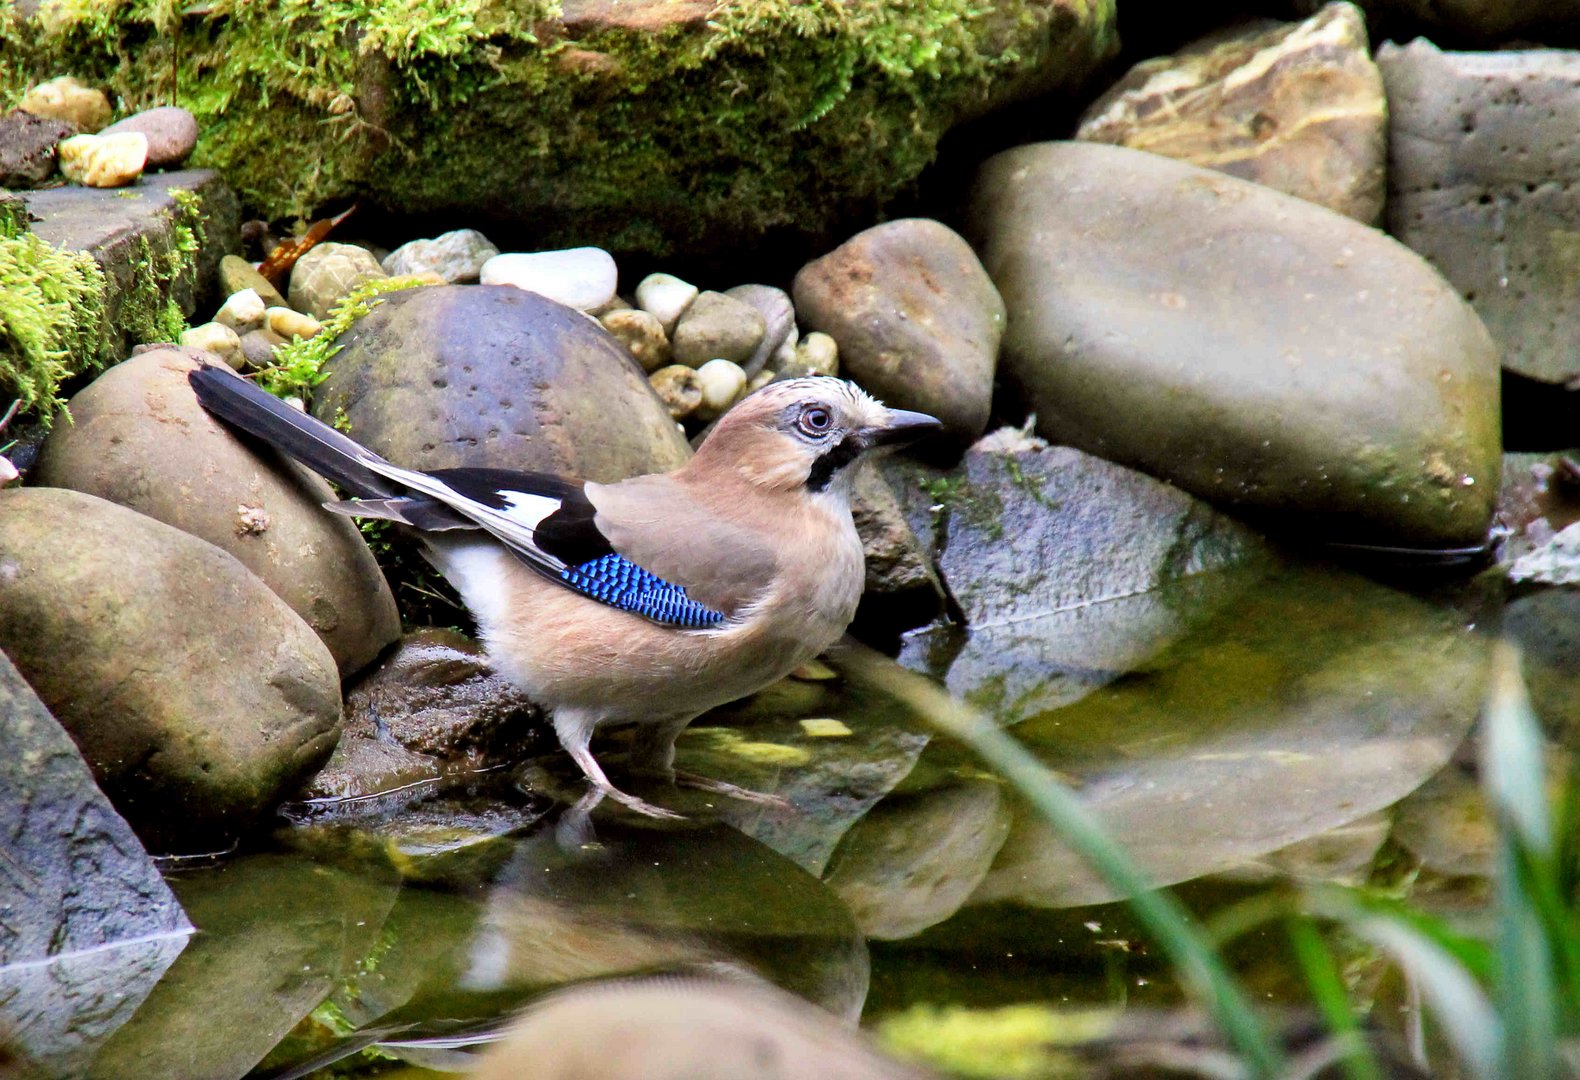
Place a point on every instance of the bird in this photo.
(647, 601)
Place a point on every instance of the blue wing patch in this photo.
(620, 583)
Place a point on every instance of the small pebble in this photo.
(778, 314)
(722, 382)
(714, 327)
(218, 339)
(236, 274)
(666, 297)
(642, 335)
(456, 256)
(257, 348)
(66, 98)
(172, 134)
(816, 355)
(326, 274)
(289, 323)
(616, 303)
(678, 388)
(242, 311)
(583, 278)
(760, 380)
(103, 161)
(8, 471)
(784, 355)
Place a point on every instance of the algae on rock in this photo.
(646, 125)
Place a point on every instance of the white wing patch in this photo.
(526, 509)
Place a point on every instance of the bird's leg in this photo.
(575, 731)
(653, 754)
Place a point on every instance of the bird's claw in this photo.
(730, 791)
(646, 809)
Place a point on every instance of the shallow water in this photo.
(1261, 736)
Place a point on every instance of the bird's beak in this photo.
(900, 427)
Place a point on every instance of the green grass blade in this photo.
(1332, 998)
(1173, 928)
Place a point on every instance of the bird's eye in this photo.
(815, 420)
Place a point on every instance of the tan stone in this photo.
(104, 161)
(66, 98)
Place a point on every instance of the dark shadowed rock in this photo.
(27, 147)
(138, 437)
(917, 320)
(196, 695)
(1296, 106)
(490, 375)
(1482, 158)
(87, 925)
(1251, 347)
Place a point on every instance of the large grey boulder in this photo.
(491, 375)
(87, 925)
(139, 438)
(196, 695)
(1250, 347)
(1482, 159)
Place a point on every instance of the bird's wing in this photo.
(661, 525)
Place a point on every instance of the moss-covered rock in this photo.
(642, 125)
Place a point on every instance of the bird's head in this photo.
(806, 433)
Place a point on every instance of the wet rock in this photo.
(1447, 824)
(171, 131)
(27, 147)
(678, 387)
(917, 320)
(583, 278)
(642, 335)
(326, 274)
(243, 311)
(1069, 570)
(815, 354)
(236, 274)
(778, 317)
(89, 923)
(1295, 106)
(1481, 159)
(897, 562)
(198, 698)
(1341, 856)
(139, 438)
(215, 338)
(453, 375)
(915, 858)
(292, 324)
(722, 383)
(666, 298)
(1546, 627)
(1254, 349)
(456, 256)
(716, 327)
(257, 348)
(103, 161)
(66, 98)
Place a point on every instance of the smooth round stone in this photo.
(678, 387)
(289, 323)
(583, 278)
(139, 438)
(216, 338)
(257, 347)
(171, 132)
(778, 316)
(1251, 347)
(103, 161)
(716, 327)
(236, 274)
(641, 333)
(917, 319)
(456, 257)
(327, 274)
(242, 311)
(722, 383)
(197, 697)
(66, 98)
(489, 375)
(665, 296)
(816, 354)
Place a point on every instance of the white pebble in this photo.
(816, 355)
(290, 323)
(242, 311)
(215, 338)
(722, 382)
(583, 278)
(665, 297)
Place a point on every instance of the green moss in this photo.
(51, 313)
(771, 113)
(299, 364)
(1016, 1041)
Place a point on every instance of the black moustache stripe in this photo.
(832, 460)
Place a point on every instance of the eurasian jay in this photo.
(647, 601)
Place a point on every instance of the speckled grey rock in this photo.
(716, 327)
(139, 438)
(257, 348)
(1482, 159)
(327, 273)
(27, 147)
(917, 320)
(197, 697)
(172, 134)
(456, 256)
(492, 375)
(1251, 347)
(778, 319)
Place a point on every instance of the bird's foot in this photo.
(728, 790)
(646, 809)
